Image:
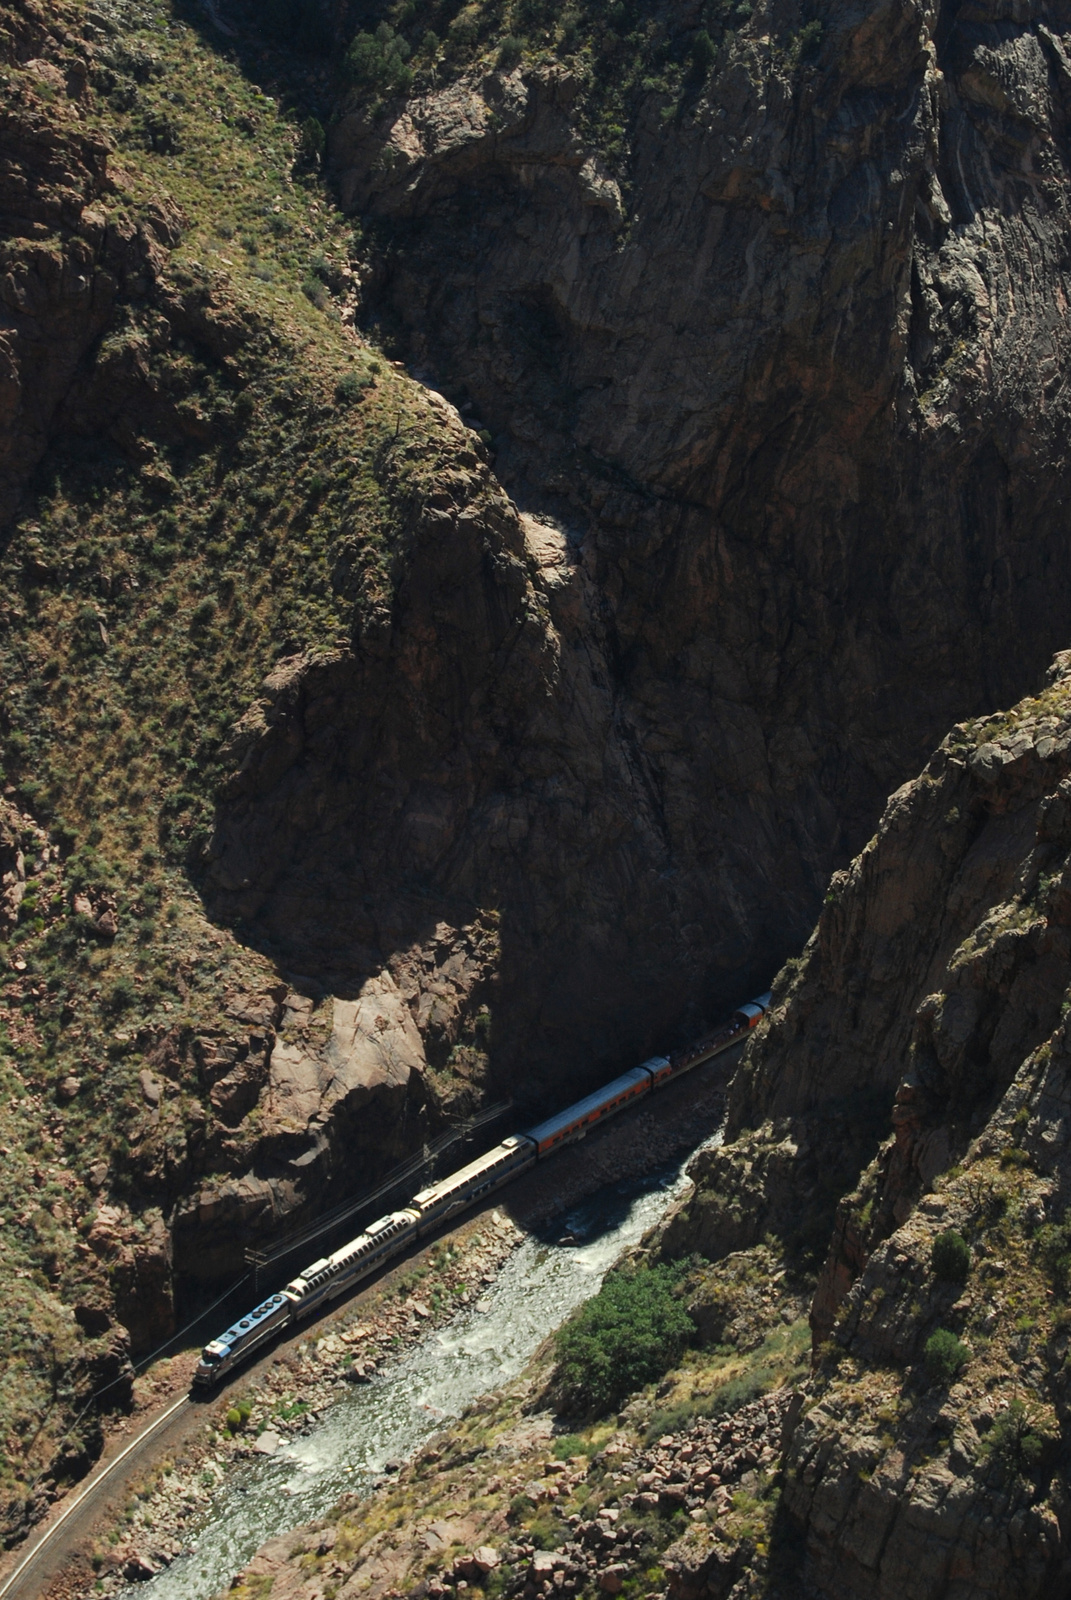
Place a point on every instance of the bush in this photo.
(376, 62)
(234, 1419)
(510, 52)
(462, 35)
(122, 995)
(945, 1355)
(629, 1334)
(1053, 1245)
(1017, 1442)
(809, 40)
(314, 290)
(950, 1256)
(350, 387)
(311, 139)
(704, 53)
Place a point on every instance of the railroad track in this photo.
(19, 1582)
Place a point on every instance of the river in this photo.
(388, 1420)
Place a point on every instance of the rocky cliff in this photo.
(936, 982)
(806, 520)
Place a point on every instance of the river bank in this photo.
(286, 1397)
(294, 1388)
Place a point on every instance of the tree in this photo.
(950, 1256)
(377, 62)
(945, 1355)
(629, 1334)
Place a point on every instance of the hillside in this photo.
(494, 497)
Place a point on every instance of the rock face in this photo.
(813, 513)
(936, 984)
(466, 758)
(791, 356)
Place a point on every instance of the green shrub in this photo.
(1017, 1442)
(945, 1355)
(350, 387)
(704, 53)
(314, 290)
(122, 995)
(311, 139)
(462, 35)
(950, 1256)
(510, 52)
(376, 62)
(1053, 1245)
(234, 1419)
(570, 1444)
(630, 1333)
(809, 40)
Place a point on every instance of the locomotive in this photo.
(333, 1275)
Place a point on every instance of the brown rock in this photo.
(151, 1087)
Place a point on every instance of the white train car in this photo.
(469, 1184)
(328, 1278)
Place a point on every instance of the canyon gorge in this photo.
(503, 505)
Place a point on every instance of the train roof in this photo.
(592, 1102)
(240, 1329)
(474, 1169)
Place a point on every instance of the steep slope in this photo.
(767, 309)
(340, 794)
(769, 328)
(937, 982)
(215, 483)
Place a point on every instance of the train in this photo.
(333, 1275)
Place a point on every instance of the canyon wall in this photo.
(934, 993)
(789, 381)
